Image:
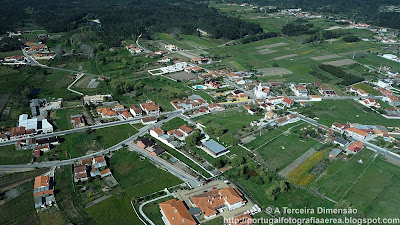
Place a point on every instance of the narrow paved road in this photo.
(192, 181)
(93, 127)
(147, 202)
(371, 146)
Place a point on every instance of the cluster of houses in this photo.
(206, 205)
(91, 167)
(14, 60)
(39, 50)
(174, 137)
(206, 109)
(188, 103)
(134, 49)
(39, 146)
(150, 145)
(359, 133)
(120, 112)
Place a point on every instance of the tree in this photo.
(87, 50)
(228, 139)
(193, 139)
(58, 51)
(284, 186)
(272, 192)
(237, 161)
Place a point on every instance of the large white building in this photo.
(261, 92)
(42, 126)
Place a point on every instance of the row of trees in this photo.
(257, 37)
(127, 19)
(348, 78)
(358, 10)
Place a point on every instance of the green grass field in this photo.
(343, 111)
(367, 88)
(115, 210)
(175, 123)
(139, 178)
(338, 185)
(67, 200)
(11, 156)
(20, 210)
(269, 136)
(376, 193)
(228, 119)
(111, 136)
(47, 218)
(283, 150)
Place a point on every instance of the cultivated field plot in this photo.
(273, 45)
(275, 71)
(266, 51)
(343, 111)
(285, 57)
(325, 57)
(182, 76)
(3, 100)
(285, 149)
(115, 210)
(342, 181)
(342, 62)
(377, 192)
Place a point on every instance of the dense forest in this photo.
(359, 10)
(124, 19)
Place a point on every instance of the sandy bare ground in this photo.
(285, 57)
(181, 76)
(266, 51)
(325, 57)
(83, 82)
(93, 83)
(190, 55)
(274, 71)
(342, 62)
(296, 163)
(273, 45)
(3, 101)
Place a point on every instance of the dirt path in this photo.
(3, 101)
(296, 163)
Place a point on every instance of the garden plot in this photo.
(266, 51)
(273, 45)
(182, 76)
(342, 62)
(275, 71)
(93, 83)
(325, 57)
(285, 57)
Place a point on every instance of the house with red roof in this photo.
(213, 202)
(174, 212)
(135, 111)
(356, 133)
(288, 102)
(370, 102)
(355, 146)
(43, 191)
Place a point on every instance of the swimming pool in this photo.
(200, 87)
